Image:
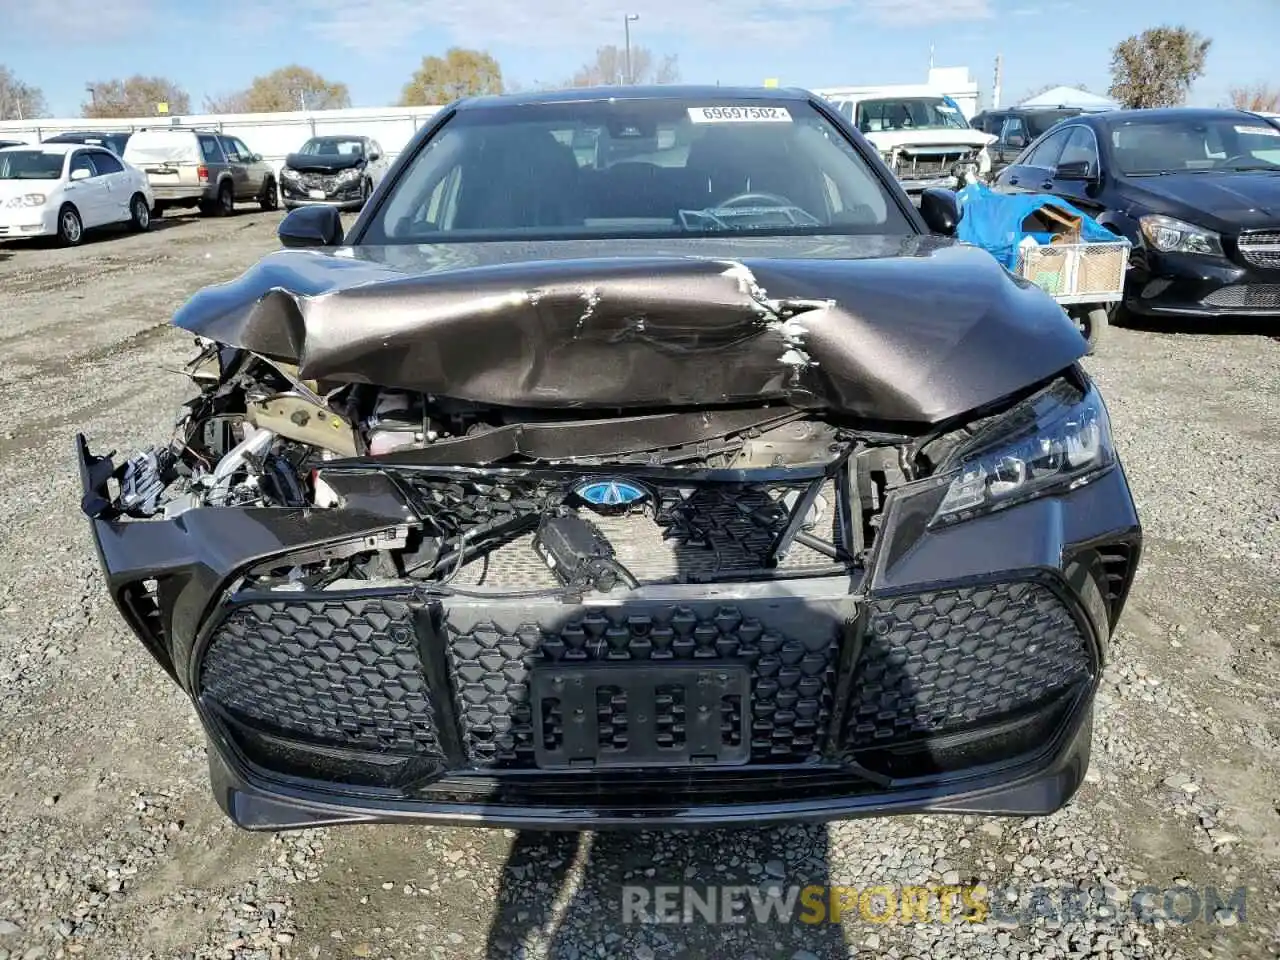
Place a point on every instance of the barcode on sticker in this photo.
(739, 115)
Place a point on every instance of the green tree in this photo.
(1157, 67)
(459, 73)
(610, 68)
(282, 91)
(18, 100)
(135, 96)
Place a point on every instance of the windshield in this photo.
(332, 147)
(635, 168)
(30, 165)
(908, 113)
(1181, 145)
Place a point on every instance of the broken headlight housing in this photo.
(1057, 442)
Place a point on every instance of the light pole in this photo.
(627, 20)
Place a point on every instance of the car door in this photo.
(90, 193)
(119, 184)
(1012, 139)
(377, 161)
(1033, 171)
(255, 168)
(1078, 170)
(239, 167)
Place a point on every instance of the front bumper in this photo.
(956, 673)
(28, 222)
(1171, 285)
(170, 193)
(322, 190)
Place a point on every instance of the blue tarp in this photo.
(994, 221)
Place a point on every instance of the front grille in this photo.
(688, 534)
(915, 166)
(789, 645)
(939, 662)
(1246, 296)
(1261, 248)
(333, 672)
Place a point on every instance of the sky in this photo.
(374, 45)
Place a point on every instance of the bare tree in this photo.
(136, 96)
(237, 102)
(18, 100)
(610, 68)
(1262, 97)
(1157, 67)
(459, 73)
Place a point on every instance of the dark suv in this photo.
(1015, 127)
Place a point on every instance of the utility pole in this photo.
(302, 99)
(93, 93)
(995, 85)
(931, 56)
(627, 20)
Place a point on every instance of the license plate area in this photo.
(629, 715)
(315, 194)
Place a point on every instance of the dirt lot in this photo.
(111, 845)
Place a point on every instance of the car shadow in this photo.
(553, 879)
(1236, 326)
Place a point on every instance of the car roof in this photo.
(54, 147)
(653, 92)
(1112, 117)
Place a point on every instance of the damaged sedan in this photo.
(638, 456)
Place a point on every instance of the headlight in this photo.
(1062, 441)
(1169, 235)
(289, 173)
(28, 200)
(351, 173)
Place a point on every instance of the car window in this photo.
(209, 149)
(245, 152)
(229, 148)
(32, 164)
(1045, 153)
(1013, 133)
(908, 113)
(1180, 143)
(1038, 123)
(105, 163)
(80, 161)
(656, 168)
(1080, 148)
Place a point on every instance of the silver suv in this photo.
(202, 168)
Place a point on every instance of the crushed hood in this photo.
(329, 163)
(903, 329)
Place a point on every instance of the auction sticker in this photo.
(739, 114)
(1260, 131)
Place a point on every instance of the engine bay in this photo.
(516, 500)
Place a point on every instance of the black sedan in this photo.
(637, 457)
(1196, 191)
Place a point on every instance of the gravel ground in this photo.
(111, 846)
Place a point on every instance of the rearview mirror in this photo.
(80, 174)
(1075, 170)
(940, 210)
(311, 227)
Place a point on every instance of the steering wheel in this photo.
(773, 199)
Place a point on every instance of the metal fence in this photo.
(274, 135)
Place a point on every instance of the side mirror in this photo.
(80, 173)
(255, 158)
(940, 211)
(1075, 170)
(375, 156)
(311, 227)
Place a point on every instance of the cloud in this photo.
(74, 21)
(370, 26)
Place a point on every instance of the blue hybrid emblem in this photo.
(610, 493)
